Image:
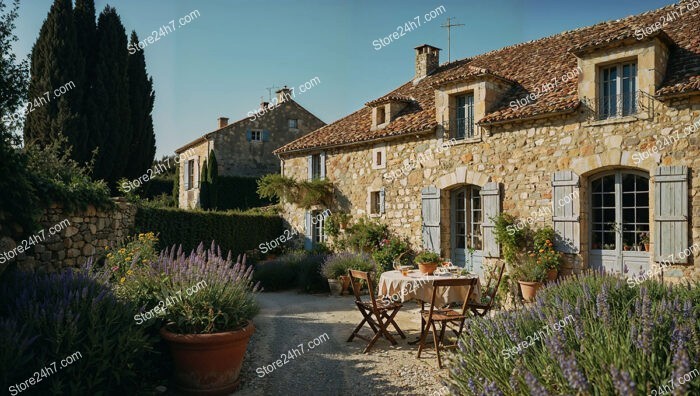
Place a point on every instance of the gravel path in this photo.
(333, 366)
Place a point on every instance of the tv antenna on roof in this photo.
(449, 25)
(269, 92)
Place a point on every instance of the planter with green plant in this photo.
(644, 239)
(530, 275)
(428, 262)
(207, 304)
(336, 267)
(549, 258)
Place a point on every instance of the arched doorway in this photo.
(619, 213)
(466, 238)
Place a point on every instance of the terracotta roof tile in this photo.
(527, 66)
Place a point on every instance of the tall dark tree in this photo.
(141, 98)
(86, 34)
(204, 186)
(111, 125)
(56, 62)
(213, 178)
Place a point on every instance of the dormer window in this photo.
(380, 115)
(464, 117)
(387, 108)
(618, 90)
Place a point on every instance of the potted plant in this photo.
(644, 238)
(208, 311)
(428, 262)
(530, 275)
(336, 267)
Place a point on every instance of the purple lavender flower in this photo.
(623, 381)
(681, 364)
(603, 309)
(490, 389)
(573, 373)
(534, 386)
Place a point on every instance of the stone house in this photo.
(244, 148)
(592, 131)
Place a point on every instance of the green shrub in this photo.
(618, 340)
(294, 270)
(239, 193)
(392, 249)
(234, 231)
(367, 235)
(338, 264)
(428, 257)
(136, 252)
(68, 312)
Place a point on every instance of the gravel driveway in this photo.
(333, 366)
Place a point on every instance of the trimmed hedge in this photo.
(234, 231)
(239, 193)
(157, 187)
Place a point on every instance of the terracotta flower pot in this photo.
(529, 289)
(345, 280)
(208, 364)
(427, 268)
(336, 287)
(646, 247)
(552, 274)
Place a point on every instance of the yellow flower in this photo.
(144, 261)
(122, 280)
(122, 250)
(541, 250)
(129, 272)
(109, 256)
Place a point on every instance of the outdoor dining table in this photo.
(419, 286)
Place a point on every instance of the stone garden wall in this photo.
(69, 239)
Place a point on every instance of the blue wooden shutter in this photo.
(248, 135)
(430, 208)
(565, 213)
(322, 158)
(670, 213)
(308, 231)
(381, 200)
(310, 162)
(187, 175)
(491, 201)
(265, 135)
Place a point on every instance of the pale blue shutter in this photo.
(430, 208)
(381, 200)
(308, 231)
(248, 135)
(322, 158)
(310, 162)
(565, 213)
(265, 135)
(671, 213)
(187, 175)
(491, 201)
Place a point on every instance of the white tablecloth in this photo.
(420, 287)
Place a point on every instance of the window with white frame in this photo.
(379, 157)
(318, 220)
(376, 202)
(256, 135)
(190, 174)
(464, 116)
(618, 90)
(316, 167)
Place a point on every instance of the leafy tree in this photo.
(86, 34)
(111, 125)
(141, 98)
(204, 185)
(213, 179)
(55, 62)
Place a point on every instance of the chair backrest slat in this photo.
(367, 277)
(468, 283)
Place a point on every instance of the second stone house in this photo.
(245, 147)
(592, 131)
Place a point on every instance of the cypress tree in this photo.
(141, 98)
(86, 32)
(204, 187)
(111, 126)
(55, 63)
(212, 179)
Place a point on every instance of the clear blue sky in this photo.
(221, 63)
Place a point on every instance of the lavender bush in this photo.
(622, 341)
(222, 297)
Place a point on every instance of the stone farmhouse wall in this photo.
(237, 156)
(522, 157)
(86, 236)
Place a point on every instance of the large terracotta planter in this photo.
(427, 268)
(336, 287)
(345, 284)
(552, 274)
(529, 289)
(208, 364)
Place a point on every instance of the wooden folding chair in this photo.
(377, 314)
(482, 309)
(445, 316)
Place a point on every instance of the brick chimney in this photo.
(427, 60)
(223, 121)
(283, 94)
(263, 105)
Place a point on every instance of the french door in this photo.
(619, 204)
(466, 236)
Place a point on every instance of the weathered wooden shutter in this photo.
(187, 175)
(381, 200)
(322, 158)
(265, 135)
(670, 213)
(491, 201)
(248, 135)
(310, 162)
(308, 231)
(430, 200)
(565, 213)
